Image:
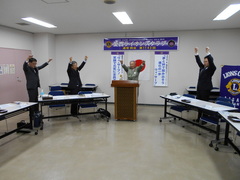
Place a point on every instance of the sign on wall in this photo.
(7, 69)
(230, 84)
(161, 68)
(144, 43)
(116, 68)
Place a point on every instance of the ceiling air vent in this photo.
(55, 1)
(23, 24)
(109, 1)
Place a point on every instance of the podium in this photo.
(125, 97)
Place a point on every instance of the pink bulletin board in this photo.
(12, 77)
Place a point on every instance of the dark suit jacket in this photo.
(32, 76)
(205, 74)
(74, 76)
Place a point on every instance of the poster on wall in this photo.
(143, 43)
(11, 68)
(1, 69)
(230, 84)
(5, 69)
(116, 68)
(161, 68)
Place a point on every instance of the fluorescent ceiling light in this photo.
(228, 12)
(123, 17)
(39, 22)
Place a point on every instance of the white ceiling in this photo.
(93, 16)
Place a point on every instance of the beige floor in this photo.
(117, 150)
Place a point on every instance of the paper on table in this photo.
(98, 94)
(174, 97)
(74, 96)
(88, 95)
(58, 97)
(219, 108)
(3, 106)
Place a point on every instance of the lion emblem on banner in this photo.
(233, 86)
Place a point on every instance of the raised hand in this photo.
(207, 50)
(49, 60)
(196, 50)
(29, 57)
(70, 59)
(86, 58)
(143, 62)
(121, 61)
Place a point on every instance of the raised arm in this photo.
(198, 60)
(25, 64)
(83, 63)
(69, 64)
(44, 65)
(210, 59)
(124, 66)
(139, 68)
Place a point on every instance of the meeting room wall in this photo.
(183, 71)
(15, 39)
(44, 49)
(42, 46)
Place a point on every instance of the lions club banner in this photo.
(143, 43)
(230, 84)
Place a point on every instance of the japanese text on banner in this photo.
(116, 68)
(145, 43)
(161, 68)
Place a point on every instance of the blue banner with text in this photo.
(143, 43)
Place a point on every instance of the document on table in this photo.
(219, 108)
(88, 95)
(4, 106)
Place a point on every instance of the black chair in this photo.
(90, 84)
(215, 120)
(182, 108)
(87, 105)
(66, 84)
(55, 88)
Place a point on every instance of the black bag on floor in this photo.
(21, 124)
(104, 112)
(25, 127)
(37, 119)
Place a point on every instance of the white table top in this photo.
(195, 89)
(225, 115)
(69, 97)
(199, 103)
(12, 107)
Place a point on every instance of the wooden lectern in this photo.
(125, 97)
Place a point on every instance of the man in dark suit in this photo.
(75, 82)
(33, 83)
(206, 71)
